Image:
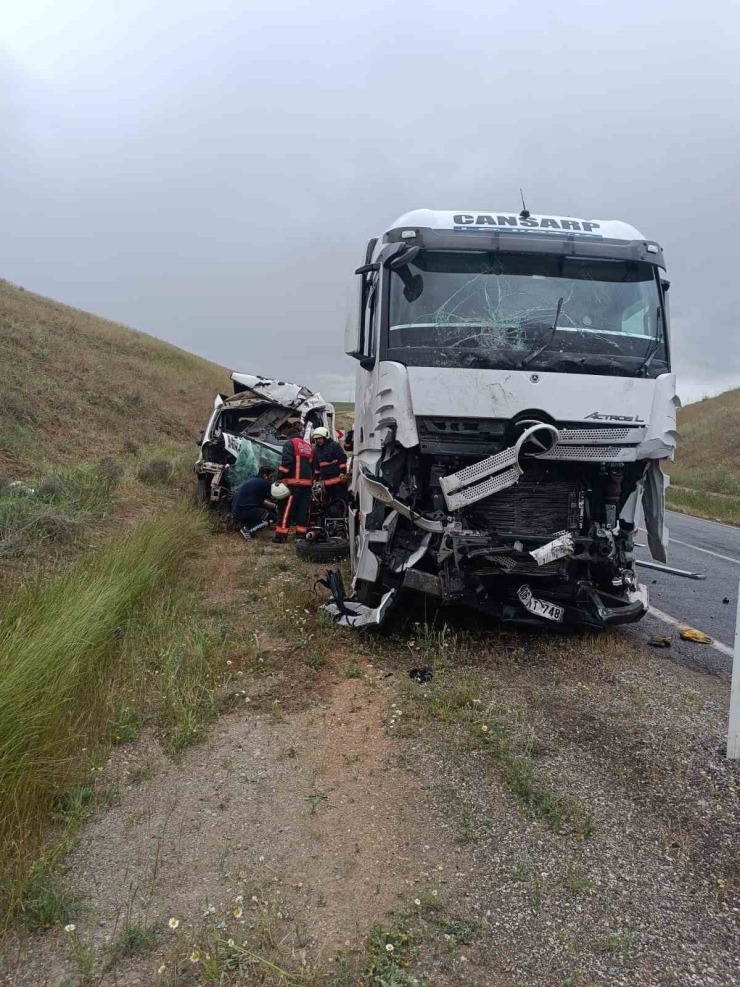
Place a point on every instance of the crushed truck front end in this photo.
(514, 403)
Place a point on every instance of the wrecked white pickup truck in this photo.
(243, 432)
(514, 403)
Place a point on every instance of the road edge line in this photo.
(707, 551)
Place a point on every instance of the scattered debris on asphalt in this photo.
(691, 634)
(659, 641)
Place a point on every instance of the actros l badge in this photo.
(601, 417)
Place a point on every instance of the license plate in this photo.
(550, 611)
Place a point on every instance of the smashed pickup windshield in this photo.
(545, 312)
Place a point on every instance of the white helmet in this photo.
(279, 491)
(320, 433)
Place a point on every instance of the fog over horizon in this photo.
(211, 174)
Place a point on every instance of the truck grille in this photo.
(460, 436)
(532, 506)
(484, 568)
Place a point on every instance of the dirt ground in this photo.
(307, 819)
(545, 811)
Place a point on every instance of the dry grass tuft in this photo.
(156, 471)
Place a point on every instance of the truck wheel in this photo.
(331, 550)
(202, 491)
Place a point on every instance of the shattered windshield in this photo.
(536, 310)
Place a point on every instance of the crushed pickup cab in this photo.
(244, 431)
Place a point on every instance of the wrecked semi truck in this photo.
(243, 432)
(514, 403)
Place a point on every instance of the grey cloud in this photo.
(211, 175)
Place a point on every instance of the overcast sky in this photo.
(209, 172)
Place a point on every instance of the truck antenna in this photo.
(524, 214)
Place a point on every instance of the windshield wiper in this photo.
(653, 348)
(530, 356)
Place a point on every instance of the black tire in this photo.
(202, 491)
(332, 550)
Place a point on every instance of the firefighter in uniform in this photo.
(330, 466)
(296, 472)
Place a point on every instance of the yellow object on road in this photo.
(691, 634)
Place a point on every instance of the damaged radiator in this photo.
(534, 506)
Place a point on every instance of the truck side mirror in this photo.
(353, 327)
(355, 333)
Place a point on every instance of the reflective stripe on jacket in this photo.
(296, 468)
(330, 462)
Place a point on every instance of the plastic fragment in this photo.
(691, 634)
(556, 549)
(659, 641)
(425, 674)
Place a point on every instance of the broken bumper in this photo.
(590, 609)
(518, 603)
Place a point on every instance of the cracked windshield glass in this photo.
(535, 310)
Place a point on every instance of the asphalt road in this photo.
(714, 550)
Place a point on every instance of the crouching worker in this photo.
(330, 466)
(296, 472)
(252, 506)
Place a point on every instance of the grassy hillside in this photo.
(706, 474)
(74, 386)
(101, 419)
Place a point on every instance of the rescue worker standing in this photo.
(330, 466)
(296, 472)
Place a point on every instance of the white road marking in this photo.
(724, 649)
(727, 558)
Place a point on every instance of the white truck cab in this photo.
(514, 402)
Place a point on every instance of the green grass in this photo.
(73, 649)
(708, 459)
(58, 510)
(137, 937)
(388, 965)
(701, 504)
(46, 900)
(718, 481)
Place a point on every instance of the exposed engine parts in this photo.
(498, 532)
